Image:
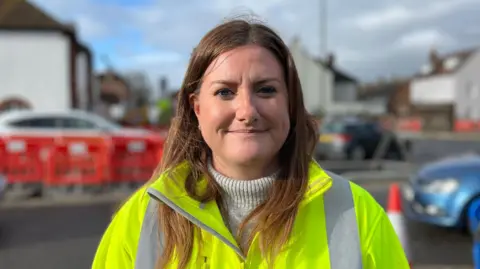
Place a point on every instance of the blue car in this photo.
(440, 192)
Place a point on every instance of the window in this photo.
(332, 127)
(451, 63)
(76, 123)
(48, 122)
(363, 129)
(426, 69)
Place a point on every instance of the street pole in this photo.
(323, 53)
(323, 28)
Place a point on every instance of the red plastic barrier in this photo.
(3, 157)
(78, 161)
(133, 160)
(465, 126)
(409, 124)
(23, 158)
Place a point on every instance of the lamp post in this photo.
(323, 28)
(323, 53)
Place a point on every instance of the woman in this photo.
(237, 187)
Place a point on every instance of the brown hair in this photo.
(274, 219)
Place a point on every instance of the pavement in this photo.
(49, 235)
(424, 151)
(432, 247)
(45, 234)
(440, 135)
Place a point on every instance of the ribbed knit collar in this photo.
(243, 193)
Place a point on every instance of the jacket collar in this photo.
(171, 183)
(169, 189)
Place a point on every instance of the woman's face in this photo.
(242, 107)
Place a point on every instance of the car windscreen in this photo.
(333, 127)
(362, 129)
(106, 124)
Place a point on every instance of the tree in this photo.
(165, 111)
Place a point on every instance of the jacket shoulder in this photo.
(367, 210)
(131, 214)
(118, 246)
(380, 244)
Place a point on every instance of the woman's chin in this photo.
(248, 158)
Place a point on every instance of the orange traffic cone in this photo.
(394, 211)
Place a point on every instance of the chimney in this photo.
(330, 60)
(435, 60)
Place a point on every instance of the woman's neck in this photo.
(249, 171)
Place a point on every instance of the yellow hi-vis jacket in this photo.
(339, 226)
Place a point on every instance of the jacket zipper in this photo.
(161, 198)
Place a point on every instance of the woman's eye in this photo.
(267, 90)
(224, 93)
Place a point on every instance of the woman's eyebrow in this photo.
(256, 82)
(266, 80)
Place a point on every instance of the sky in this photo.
(371, 39)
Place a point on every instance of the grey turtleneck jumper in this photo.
(240, 198)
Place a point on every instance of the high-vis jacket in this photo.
(339, 226)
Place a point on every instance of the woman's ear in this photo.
(193, 100)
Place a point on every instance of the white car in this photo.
(75, 122)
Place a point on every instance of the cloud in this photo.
(390, 15)
(399, 14)
(91, 28)
(371, 38)
(424, 38)
(152, 58)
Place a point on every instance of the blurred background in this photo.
(88, 89)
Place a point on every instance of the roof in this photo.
(113, 83)
(21, 14)
(110, 75)
(340, 75)
(447, 63)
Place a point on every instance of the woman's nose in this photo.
(247, 108)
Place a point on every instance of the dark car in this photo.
(355, 140)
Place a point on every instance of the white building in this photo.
(42, 64)
(326, 87)
(316, 79)
(451, 80)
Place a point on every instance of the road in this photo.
(66, 237)
(433, 246)
(428, 150)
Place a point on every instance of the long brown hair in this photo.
(274, 219)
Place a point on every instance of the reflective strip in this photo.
(342, 228)
(340, 218)
(157, 195)
(149, 246)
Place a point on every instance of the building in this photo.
(317, 79)
(327, 88)
(345, 86)
(140, 89)
(43, 66)
(392, 94)
(447, 89)
(111, 95)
